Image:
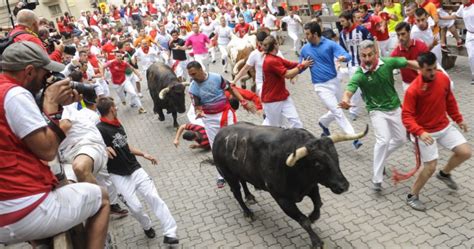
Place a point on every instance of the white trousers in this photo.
(330, 93)
(357, 102)
(128, 87)
(470, 50)
(62, 209)
(393, 41)
(139, 181)
(203, 59)
(180, 69)
(390, 134)
(384, 48)
(296, 40)
(437, 51)
(275, 112)
(212, 51)
(224, 55)
(212, 124)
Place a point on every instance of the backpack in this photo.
(9, 40)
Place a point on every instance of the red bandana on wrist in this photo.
(114, 122)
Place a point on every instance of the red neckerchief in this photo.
(145, 50)
(411, 20)
(373, 66)
(347, 30)
(114, 122)
(469, 4)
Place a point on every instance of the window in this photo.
(55, 10)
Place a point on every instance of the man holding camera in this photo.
(28, 24)
(30, 200)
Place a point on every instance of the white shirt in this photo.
(207, 29)
(95, 50)
(83, 130)
(144, 61)
(467, 15)
(294, 24)
(224, 34)
(425, 35)
(22, 114)
(269, 21)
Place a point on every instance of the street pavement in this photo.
(208, 217)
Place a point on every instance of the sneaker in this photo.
(447, 179)
(325, 130)
(118, 211)
(220, 182)
(150, 233)
(213, 61)
(415, 203)
(140, 95)
(124, 103)
(356, 144)
(170, 241)
(472, 82)
(377, 187)
(141, 110)
(223, 62)
(133, 105)
(225, 71)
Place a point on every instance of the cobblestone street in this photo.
(208, 217)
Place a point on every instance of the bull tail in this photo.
(397, 176)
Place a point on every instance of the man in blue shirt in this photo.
(211, 104)
(324, 76)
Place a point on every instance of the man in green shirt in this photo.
(375, 79)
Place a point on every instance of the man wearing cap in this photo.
(120, 83)
(30, 199)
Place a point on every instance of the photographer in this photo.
(30, 200)
(28, 21)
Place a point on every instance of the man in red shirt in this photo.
(242, 28)
(275, 97)
(109, 48)
(28, 22)
(120, 83)
(428, 102)
(408, 48)
(193, 133)
(378, 27)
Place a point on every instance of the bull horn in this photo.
(163, 93)
(345, 137)
(236, 66)
(297, 155)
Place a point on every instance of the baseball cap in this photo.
(23, 53)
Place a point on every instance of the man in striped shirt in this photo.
(350, 37)
(193, 132)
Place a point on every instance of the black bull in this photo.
(288, 163)
(166, 91)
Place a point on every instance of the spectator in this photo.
(29, 190)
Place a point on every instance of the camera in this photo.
(68, 49)
(81, 88)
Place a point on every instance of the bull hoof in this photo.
(250, 200)
(161, 118)
(250, 215)
(176, 125)
(319, 245)
(314, 216)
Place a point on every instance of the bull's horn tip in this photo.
(366, 129)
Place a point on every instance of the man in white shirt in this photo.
(144, 57)
(269, 21)
(224, 34)
(295, 30)
(208, 28)
(422, 30)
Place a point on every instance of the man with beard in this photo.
(375, 79)
(428, 102)
(129, 177)
(30, 199)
